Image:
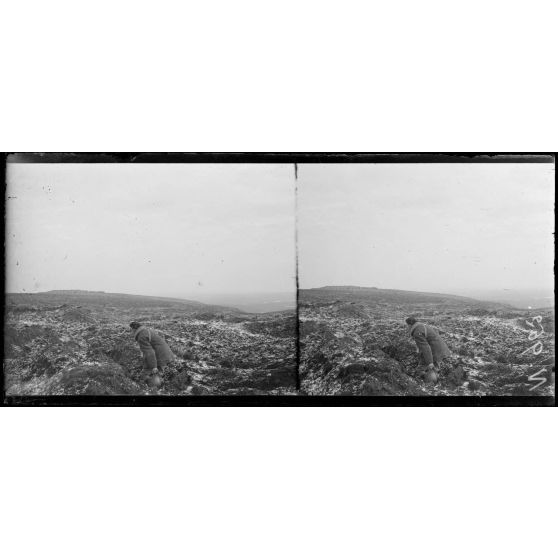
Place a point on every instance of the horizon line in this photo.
(276, 292)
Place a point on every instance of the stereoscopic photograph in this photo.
(150, 279)
(426, 279)
(326, 279)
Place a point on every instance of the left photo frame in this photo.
(149, 279)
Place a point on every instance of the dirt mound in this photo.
(377, 374)
(126, 354)
(225, 380)
(176, 379)
(317, 328)
(16, 339)
(83, 380)
(82, 315)
(207, 315)
(284, 327)
(21, 309)
(351, 310)
(399, 351)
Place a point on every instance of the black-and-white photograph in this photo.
(426, 279)
(150, 279)
(341, 280)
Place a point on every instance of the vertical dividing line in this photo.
(297, 323)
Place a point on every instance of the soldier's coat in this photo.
(432, 347)
(156, 352)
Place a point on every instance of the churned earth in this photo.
(354, 341)
(79, 343)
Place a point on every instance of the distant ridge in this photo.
(70, 291)
(350, 288)
(355, 293)
(345, 287)
(101, 297)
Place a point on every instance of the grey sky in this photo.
(167, 230)
(427, 227)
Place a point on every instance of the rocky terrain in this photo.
(79, 343)
(353, 341)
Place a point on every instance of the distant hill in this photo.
(252, 302)
(349, 293)
(100, 298)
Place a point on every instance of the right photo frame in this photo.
(427, 279)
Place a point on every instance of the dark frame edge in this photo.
(279, 401)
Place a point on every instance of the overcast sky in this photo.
(168, 230)
(426, 227)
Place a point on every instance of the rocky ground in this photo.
(351, 343)
(356, 343)
(77, 343)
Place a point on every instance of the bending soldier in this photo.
(156, 353)
(430, 345)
